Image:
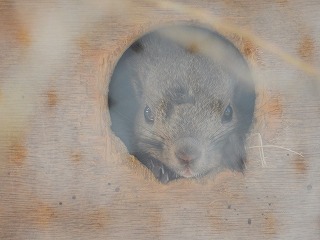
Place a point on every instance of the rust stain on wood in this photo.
(300, 165)
(76, 156)
(44, 214)
(12, 24)
(306, 48)
(99, 218)
(273, 108)
(22, 35)
(268, 113)
(270, 224)
(52, 98)
(17, 153)
(248, 48)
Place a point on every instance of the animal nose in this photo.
(187, 153)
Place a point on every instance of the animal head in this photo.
(194, 103)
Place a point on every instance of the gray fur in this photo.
(187, 89)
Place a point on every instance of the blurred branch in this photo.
(231, 28)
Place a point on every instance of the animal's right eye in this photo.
(148, 115)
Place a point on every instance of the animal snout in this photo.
(187, 151)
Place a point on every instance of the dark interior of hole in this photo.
(126, 106)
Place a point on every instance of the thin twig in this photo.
(275, 146)
(261, 150)
(263, 160)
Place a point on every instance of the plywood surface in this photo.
(64, 175)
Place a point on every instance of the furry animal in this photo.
(182, 99)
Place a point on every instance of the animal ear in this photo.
(137, 47)
(130, 59)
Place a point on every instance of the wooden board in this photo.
(63, 173)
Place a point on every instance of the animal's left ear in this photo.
(130, 57)
(137, 47)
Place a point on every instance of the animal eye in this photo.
(227, 115)
(148, 115)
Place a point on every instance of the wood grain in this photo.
(63, 173)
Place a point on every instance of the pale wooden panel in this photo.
(64, 175)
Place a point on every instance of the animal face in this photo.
(186, 115)
(191, 111)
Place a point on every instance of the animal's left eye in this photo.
(148, 115)
(227, 115)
